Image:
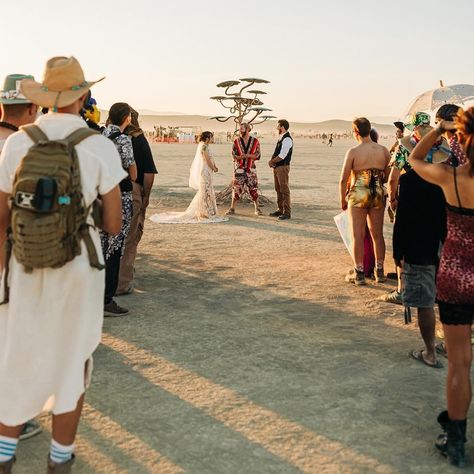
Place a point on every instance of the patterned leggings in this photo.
(241, 181)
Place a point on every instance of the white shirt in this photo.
(285, 147)
(53, 322)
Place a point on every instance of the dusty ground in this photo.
(247, 353)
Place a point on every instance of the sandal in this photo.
(441, 349)
(418, 355)
(230, 212)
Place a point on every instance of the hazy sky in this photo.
(325, 59)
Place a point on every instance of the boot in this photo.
(442, 440)
(455, 444)
(63, 468)
(7, 466)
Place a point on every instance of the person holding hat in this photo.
(419, 230)
(53, 321)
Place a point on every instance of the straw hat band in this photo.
(85, 84)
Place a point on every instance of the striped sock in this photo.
(59, 453)
(7, 448)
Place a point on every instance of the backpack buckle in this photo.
(25, 200)
(64, 200)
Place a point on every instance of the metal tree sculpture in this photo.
(240, 107)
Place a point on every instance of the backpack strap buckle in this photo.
(25, 200)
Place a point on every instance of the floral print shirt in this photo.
(123, 143)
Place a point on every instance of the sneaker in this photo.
(379, 275)
(258, 212)
(394, 297)
(275, 214)
(230, 212)
(112, 310)
(284, 217)
(358, 278)
(31, 428)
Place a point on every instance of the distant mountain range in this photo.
(201, 122)
(204, 123)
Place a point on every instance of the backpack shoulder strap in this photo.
(80, 134)
(35, 133)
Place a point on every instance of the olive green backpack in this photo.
(48, 213)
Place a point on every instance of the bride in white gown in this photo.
(203, 208)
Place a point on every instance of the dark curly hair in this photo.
(448, 112)
(205, 136)
(465, 127)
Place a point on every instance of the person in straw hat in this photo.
(420, 228)
(53, 321)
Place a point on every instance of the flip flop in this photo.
(441, 349)
(418, 355)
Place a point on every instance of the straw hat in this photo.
(439, 154)
(11, 94)
(63, 84)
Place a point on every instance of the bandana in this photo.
(457, 156)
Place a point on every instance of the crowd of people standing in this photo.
(430, 175)
(66, 297)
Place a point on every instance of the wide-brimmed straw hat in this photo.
(438, 155)
(63, 84)
(11, 94)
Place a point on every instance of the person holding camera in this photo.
(455, 280)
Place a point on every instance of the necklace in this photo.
(9, 126)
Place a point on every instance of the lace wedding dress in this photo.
(203, 208)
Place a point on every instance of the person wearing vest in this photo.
(245, 152)
(280, 163)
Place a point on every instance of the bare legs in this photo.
(359, 221)
(375, 222)
(234, 204)
(11, 431)
(65, 425)
(427, 325)
(374, 219)
(458, 388)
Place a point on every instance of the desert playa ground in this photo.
(246, 352)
